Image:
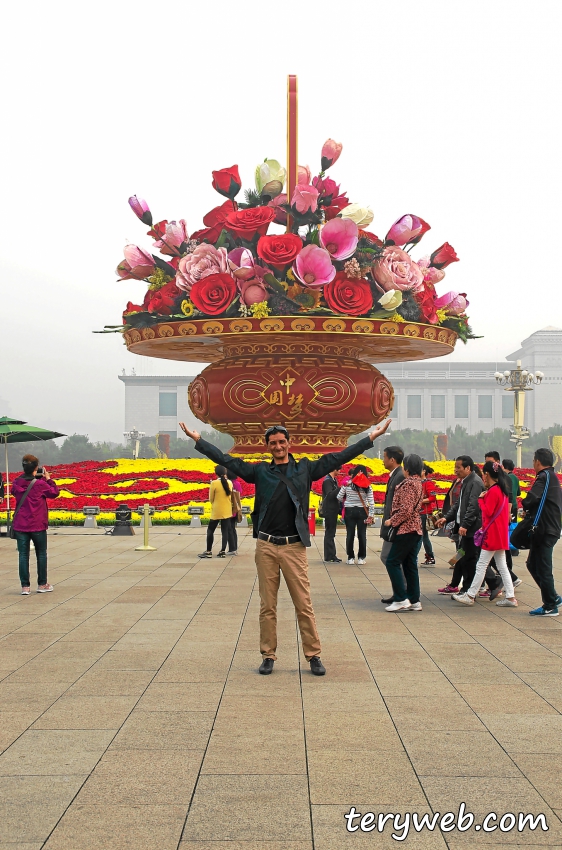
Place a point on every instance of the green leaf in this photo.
(222, 240)
(274, 284)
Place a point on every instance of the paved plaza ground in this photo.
(133, 715)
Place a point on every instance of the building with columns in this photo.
(429, 395)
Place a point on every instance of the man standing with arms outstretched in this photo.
(280, 524)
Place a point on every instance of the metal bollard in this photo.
(145, 547)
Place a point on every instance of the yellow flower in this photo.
(158, 280)
(187, 307)
(260, 310)
(396, 317)
(441, 315)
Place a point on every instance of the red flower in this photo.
(246, 224)
(330, 197)
(162, 300)
(366, 234)
(444, 256)
(426, 299)
(214, 222)
(214, 293)
(227, 181)
(353, 297)
(158, 230)
(279, 251)
(133, 308)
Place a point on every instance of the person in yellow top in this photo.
(221, 511)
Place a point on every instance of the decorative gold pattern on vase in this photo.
(334, 325)
(148, 333)
(303, 325)
(134, 336)
(411, 330)
(213, 327)
(270, 325)
(443, 336)
(389, 328)
(165, 331)
(187, 329)
(429, 333)
(240, 326)
(362, 326)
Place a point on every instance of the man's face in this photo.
(460, 470)
(278, 445)
(389, 462)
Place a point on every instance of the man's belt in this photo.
(278, 541)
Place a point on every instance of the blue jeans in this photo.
(40, 542)
(402, 567)
(426, 541)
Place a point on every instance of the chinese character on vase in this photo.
(327, 263)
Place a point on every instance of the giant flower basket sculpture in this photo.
(290, 321)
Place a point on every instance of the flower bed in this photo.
(172, 486)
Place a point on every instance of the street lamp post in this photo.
(518, 381)
(134, 436)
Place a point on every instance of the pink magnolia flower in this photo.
(454, 303)
(339, 237)
(141, 209)
(305, 198)
(252, 292)
(395, 269)
(242, 265)
(408, 228)
(313, 267)
(175, 236)
(430, 273)
(280, 214)
(137, 265)
(205, 260)
(303, 174)
(330, 153)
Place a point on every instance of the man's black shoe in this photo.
(266, 667)
(333, 561)
(316, 667)
(388, 601)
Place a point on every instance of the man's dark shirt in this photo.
(279, 520)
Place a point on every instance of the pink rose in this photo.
(252, 292)
(454, 303)
(205, 260)
(303, 174)
(174, 239)
(280, 214)
(394, 269)
(430, 273)
(305, 198)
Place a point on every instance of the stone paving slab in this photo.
(133, 716)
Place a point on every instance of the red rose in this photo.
(227, 181)
(162, 300)
(444, 255)
(214, 222)
(353, 297)
(279, 251)
(426, 299)
(246, 224)
(214, 293)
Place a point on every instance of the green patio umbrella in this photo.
(17, 431)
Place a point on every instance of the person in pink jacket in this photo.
(495, 504)
(31, 519)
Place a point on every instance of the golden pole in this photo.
(292, 139)
(145, 547)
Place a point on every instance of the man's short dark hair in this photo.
(508, 464)
(276, 429)
(466, 460)
(413, 464)
(394, 452)
(494, 455)
(545, 457)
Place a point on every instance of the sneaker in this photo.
(221, 554)
(361, 561)
(541, 612)
(25, 591)
(205, 555)
(266, 667)
(316, 667)
(399, 606)
(388, 600)
(507, 603)
(484, 594)
(415, 606)
(429, 561)
(559, 600)
(463, 598)
(350, 561)
(232, 553)
(44, 588)
(332, 560)
(448, 589)
(519, 581)
(496, 591)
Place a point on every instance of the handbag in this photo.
(480, 534)
(522, 535)
(22, 500)
(236, 505)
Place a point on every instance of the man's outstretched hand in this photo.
(379, 430)
(195, 435)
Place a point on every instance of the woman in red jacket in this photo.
(495, 506)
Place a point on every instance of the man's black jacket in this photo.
(301, 472)
(549, 522)
(330, 488)
(470, 515)
(395, 478)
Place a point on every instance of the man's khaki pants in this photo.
(291, 560)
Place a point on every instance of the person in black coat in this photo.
(547, 535)
(392, 459)
(330, 509)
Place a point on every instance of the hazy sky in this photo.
(446, 110)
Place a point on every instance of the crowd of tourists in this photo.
(478, 513)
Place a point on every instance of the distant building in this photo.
(440, 394)
(430, 394)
